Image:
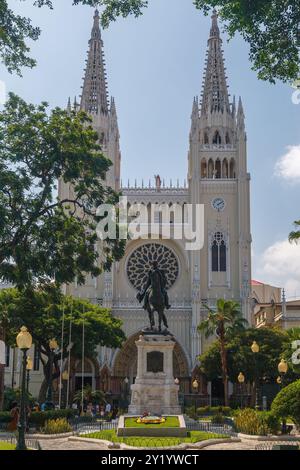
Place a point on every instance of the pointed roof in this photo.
(215, 95)
(94, 99)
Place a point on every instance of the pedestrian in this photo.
(107, 408)
(14, 414)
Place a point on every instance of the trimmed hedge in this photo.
(39, 418)
(214, 410)
(287, 403)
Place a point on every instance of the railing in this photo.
(30, 443)
(85, 425)
(275, 445)
(212, 428)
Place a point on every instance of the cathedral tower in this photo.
(218, 179)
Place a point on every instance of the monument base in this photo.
(154, 390)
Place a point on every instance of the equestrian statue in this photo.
(155, 296)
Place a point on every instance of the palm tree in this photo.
(294, 237)
(90, 396)
(224, 321)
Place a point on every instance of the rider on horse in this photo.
(163, 283)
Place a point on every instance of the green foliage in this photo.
(192, 437)
(171, 422)
(42, 237)
(191, 412)
(42, 310)
(7, 446)
(214, 410)
(272, 343)
(294, 236)
(287, 403)
(42, 313)
(254, 423)
(218, 419)
(57, 426)
(225, 321)
(14, 394)
(5, 417)
(90, 396)
(271, 28)
(38, 419)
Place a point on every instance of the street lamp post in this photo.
(29, 367)
(24, 342)
(255, 350)
(195, 386)
(126, 382)
(241, 380)
(52, 345)
(282, 369)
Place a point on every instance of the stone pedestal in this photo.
(154, 389)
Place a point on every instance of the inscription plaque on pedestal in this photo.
(155, 361)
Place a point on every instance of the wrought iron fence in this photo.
(224, 429)
(85, 425)
(279, 445)
(30, 443)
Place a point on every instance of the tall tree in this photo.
(41, 310)
(42, 237)
(270, 27)
(273, 344)
(225, 321)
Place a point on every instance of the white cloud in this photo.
(279, 265)
(288, 166)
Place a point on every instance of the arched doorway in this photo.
(125, 366)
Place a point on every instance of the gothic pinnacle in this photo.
(94, 93)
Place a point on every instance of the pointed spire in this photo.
(240, 115)
(215, 96)
(69, 108)
(233, 107)
(195, 110)
(94, 94)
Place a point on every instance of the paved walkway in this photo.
(64, 444)
(244, 445)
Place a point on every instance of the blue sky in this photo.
(155, 67)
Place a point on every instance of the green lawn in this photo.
(7, 446)
(193, 437)
(171, 422)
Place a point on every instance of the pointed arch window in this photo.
(218, 253)
(217, 138)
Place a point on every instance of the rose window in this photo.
(140, 263)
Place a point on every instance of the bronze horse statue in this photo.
(155, 297)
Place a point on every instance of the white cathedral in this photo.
(218, 179)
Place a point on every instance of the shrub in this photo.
(39, 418)
(14, 394)
(214, 410)
(255, 423)
(57, 426)
(287, 403)
(218, 419)
(190, 411)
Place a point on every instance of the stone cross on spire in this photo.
(215, 97)
(94, 98)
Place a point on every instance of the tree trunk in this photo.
(43, 391)
(224, 368)
(55, 375)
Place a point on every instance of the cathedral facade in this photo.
(218, 179)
